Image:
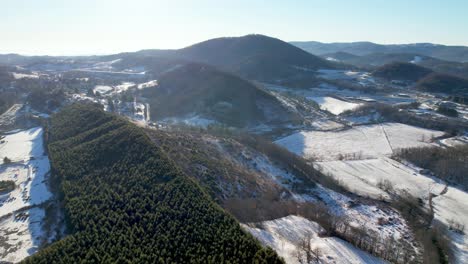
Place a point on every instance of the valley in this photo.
(258, 151)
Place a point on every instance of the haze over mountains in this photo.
(450, 53)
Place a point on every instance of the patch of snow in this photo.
(454, 141)
(23, 234)
(24, 75)
(416, 60)
(103, 89)
(453, 206)
(285, 234)
(333, 105)
(148, 84)
(123, 87)
(324, 124)
(332, 59)
(107, 65)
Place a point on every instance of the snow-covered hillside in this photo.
(286, 234)
(378, 178)
(358, 142)
(21, 219)
(365, 176)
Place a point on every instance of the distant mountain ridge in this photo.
(450, 53)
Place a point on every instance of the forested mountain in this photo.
(443, 83)
(254, 57)
(202, 89)
(126, 202)
(450, 53)
(401, 71)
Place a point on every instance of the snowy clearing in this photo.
(147, 84)
(21, 234)
(102, 89)
(20, 225)
(363, 177)
(333, 105)
(361, 214)
(368, 141)
(285, 234)
(22, 145)
(24, 75)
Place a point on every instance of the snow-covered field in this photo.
(453, 207)
(333, 105)
(285, 234)
(147, 84)
(359, 142)
(21, 234)
(364, 176)
(103, 89)
(360, 214)
(21, 222)
(24, 75)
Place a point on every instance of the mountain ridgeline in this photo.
(450, 53)
(254, 57)
(126, 202)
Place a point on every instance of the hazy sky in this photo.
(73, 27)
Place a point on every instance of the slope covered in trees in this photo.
(201, 89)
(443, 83)
(254, 57)
(401, 71)
(449, 164)
(126, 202)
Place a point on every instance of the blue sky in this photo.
(59, 27)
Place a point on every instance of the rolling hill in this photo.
(401, 71)
(197, 89)
(254, 57)
(443, 83)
